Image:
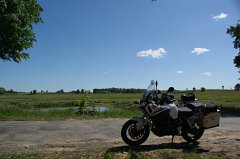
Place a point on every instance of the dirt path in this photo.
(28, 136)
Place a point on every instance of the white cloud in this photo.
(220, 16)
(180, 72)
(207, 74)
(106, 72)
(199, 51)
(159, 53)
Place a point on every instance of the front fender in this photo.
(141, 121)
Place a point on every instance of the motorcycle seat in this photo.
(185, 111)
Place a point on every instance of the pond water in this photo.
(98, 108)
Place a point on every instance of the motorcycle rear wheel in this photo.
(132, 136)
(192, 135)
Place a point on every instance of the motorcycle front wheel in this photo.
(132, 136)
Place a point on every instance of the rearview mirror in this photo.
(170, 89)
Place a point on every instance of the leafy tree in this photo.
(237, 87)
(2, 90)
(82, 90)
(203, 89)
(16, 28)
(234, 31)
(34, 91)
(118, 90)
(60, 91)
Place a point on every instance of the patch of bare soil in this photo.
(219, 143)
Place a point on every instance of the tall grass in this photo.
(169, 154)
(62, 100)
(88, 154)
(12, 113)
(25, 106)
(226, 98)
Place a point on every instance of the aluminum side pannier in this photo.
(210, 116)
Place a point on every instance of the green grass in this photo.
(227, 98)
(24, 106)
(21, 156)
(59, 100)
(11, 113)
(153, 154)
(166, 154)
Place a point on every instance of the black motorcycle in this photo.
(163, 117)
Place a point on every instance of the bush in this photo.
(34, 92)
(237, 87)
(82, 103)
(2, 90)
(203, 89)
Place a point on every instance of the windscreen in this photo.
(151, 88)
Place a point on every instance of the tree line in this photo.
(3, 90)
(97, 90)
(118, 90)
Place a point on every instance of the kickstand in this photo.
(172, 138)
(191, 145)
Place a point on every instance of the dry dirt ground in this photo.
(90, 138)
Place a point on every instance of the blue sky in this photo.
(126, 43)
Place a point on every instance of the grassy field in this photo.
(59, 100)
(131, 154)
(25, 106)
(227, 98)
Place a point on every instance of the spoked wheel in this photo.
(192, 135)
(132, 136)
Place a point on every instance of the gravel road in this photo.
(20, 135)
(42, 132)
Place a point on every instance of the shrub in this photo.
(2, 90)
(82, 103)
(237, 87)
(203, 89)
